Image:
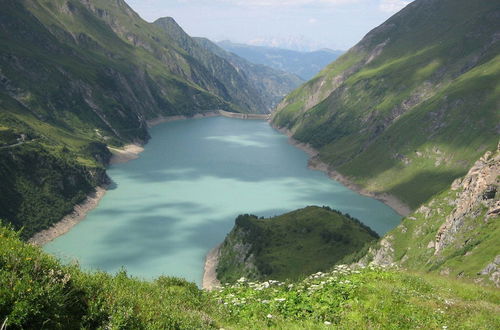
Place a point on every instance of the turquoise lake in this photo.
(168, 208)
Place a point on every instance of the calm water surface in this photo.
(180, 198)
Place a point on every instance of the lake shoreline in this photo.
(132, 151)
(119, 155)
(210, 280)
(70, 220)
(80, 211)
(315, 163)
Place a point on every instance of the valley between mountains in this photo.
(409, 116)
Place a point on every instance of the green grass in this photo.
(364, 298)
(36, 291)
(470, 235)
(290, 246)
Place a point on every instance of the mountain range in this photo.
(303, 64)
(410, 113)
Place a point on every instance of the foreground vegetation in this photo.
(36, 291)
(360, 299)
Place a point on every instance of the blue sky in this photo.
(336, 24)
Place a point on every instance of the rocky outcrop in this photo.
(493, 271)
(384, 255)
(478, 187)
(455, 233)
(236, 258)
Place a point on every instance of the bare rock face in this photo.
(384, 255)
(381, 255)
(479, 186)
(493, 270)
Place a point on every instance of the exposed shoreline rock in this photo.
(166, 119)
(316, 164)
(79, 213)
(129, 152)
(217, 113)
(210, 280)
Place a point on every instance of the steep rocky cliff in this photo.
(456, 233)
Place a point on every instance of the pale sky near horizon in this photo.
(335, 24)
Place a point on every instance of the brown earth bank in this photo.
(210, 280)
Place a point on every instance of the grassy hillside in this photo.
(291, 245)
(456, 233)
(41, 184)
(36, 291)
(410, 107)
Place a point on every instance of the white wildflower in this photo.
(269, 316)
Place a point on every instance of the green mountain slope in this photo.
(291, 245)
(76, 76)
(456, 233)
(410, 107)
(36, 291)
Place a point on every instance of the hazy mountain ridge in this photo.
(303, 64)
(246, 84)
(272, 84)
(411, 106)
